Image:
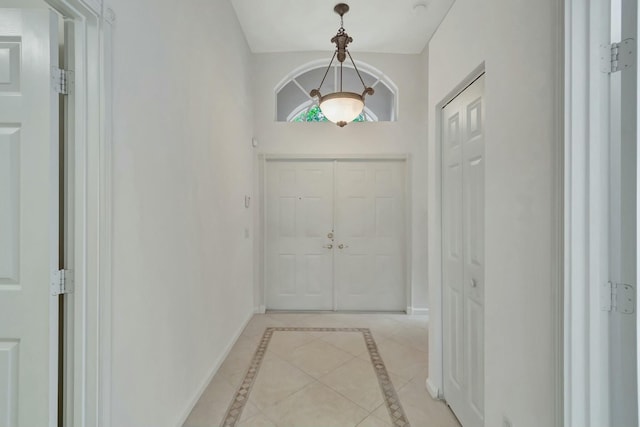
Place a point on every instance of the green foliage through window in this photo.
(314, 114)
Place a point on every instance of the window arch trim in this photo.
(381, 78)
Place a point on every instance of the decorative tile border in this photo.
(396, 412)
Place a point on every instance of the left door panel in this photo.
(299, 206)
(28, 217)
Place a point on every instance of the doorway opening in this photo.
(335, 236)
(54, 130)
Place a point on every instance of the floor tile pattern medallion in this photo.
(241, 397)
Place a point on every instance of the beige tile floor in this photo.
(325, 379)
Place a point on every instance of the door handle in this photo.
(329, 246)
(473, 283)
(341, 246)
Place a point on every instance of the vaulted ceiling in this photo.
(383, 26)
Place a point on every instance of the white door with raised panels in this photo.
(463, 253)
(370, 229)
(299, 207)
(28, 218)
(335, 235)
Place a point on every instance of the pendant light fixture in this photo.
(341, 107)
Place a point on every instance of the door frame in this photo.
(587, 213)
(261, 238)
(638, 200)
(586, 217)
(87, 400)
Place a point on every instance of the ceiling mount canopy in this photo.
(341, 107)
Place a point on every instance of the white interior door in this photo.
(370, 228)
(28, 218)
(463, 253)
(299, 254)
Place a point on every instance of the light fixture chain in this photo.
(328, 68)
(356, 68)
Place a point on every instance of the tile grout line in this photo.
(390, 397)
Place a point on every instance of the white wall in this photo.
(408, 135)
(182, 278)
(519, 43)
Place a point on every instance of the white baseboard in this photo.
(419, 311)
(433, 390)
(260, 310)
(213, 371)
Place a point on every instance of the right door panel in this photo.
(370, 224)
(463, 253)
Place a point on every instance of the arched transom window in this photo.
(294, 104)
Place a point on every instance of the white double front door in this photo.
(335, 235)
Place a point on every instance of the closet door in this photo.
(299, 208)
(370, 229)
(463, 253)
(29, 209)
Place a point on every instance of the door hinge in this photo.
(62, 80)
(618, 56)
(62, 282)
(618, 297)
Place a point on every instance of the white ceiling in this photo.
(384, 26)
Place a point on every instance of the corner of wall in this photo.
(214, 370)
(433, 390)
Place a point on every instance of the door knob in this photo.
(329, 246)
(473, 283)
(330, 235)
(341, 246)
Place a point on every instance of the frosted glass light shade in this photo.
(341, 107)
